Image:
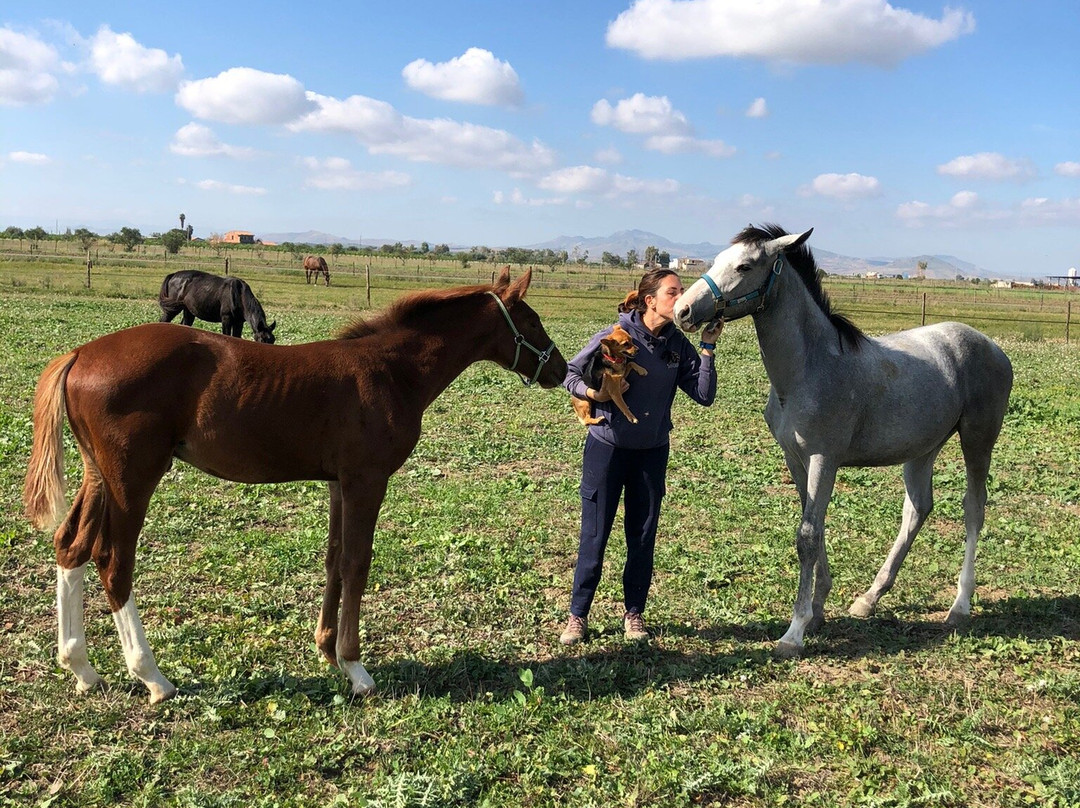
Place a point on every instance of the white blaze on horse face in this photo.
(137, 654)
(71, 642)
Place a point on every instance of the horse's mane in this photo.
(253, 310)
(802, 261)
(408, 308)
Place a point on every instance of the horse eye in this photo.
(743, 268)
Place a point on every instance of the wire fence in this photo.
(906, 303)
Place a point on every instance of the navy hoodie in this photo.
(673, 363)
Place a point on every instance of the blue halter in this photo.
(519, 340)
(721, 305)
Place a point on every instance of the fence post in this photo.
(90, 264)
(367, 282)
(924, 308)
(1068, 319)
(226, 266)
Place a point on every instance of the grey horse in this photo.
(841, 398)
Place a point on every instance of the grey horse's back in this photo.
(976, 364)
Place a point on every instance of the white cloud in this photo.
(337, 174)
(784, 31)
(29, 158)
(516, 197)
(384, 130)
(1067, 169)
(758, 109)
(196, 140)
(667, 129)
(987, 166)
(1044, 211)
(241, 190)
(593, 180)
(119, 60)
(577, 180)
(610, 155)
(641, 115)
(964, 199)
(27, 66)
(682, 144)
(843, 186)
(475, 77)
(242, 95)
(965, 210)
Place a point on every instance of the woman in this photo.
(620, 455)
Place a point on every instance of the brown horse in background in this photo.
(314, 265)
(240, 410)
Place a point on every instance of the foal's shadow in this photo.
(623, 669)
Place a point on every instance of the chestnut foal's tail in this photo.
(43, 494)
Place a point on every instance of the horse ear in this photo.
(503, 280)
(517, 289)
(272, 326)
(785, 243)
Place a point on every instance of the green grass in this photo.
(477, 702)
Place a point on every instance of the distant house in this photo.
(238, 237)
(684, 264)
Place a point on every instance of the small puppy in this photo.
(606, 371)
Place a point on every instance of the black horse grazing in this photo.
(228, 301)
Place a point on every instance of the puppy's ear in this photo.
(611, 343)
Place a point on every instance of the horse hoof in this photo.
(162, 693)
(787, 650)
(861, 608)
(89, 685)
(957, 618)
(359, 679)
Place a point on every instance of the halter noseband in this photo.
(519, 340)
(721, 305)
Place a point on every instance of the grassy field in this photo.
(478, 704)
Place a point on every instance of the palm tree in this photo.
(182, 217)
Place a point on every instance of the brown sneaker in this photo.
(634, 627)
(575, 631)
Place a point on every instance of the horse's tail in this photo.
(43, 494)
(165, 294)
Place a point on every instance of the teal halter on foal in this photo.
(722, 306)
(519, 340)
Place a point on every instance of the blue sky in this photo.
(892, 129)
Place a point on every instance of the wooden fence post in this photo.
(1068, 320)
(226, 265)
(367, 282)
(90, 264)
(924, 308)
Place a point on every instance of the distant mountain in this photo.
(941, 267)
(944, 267)
(625, 240)
(318, 237)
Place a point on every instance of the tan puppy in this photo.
(606, 372)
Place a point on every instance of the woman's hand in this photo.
(712, 333)
(601, 396)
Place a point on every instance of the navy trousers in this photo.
(606, 472)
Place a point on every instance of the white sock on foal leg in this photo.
(359, 678)
(137, 653)
(71, 636)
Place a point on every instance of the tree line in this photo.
(173, 240)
